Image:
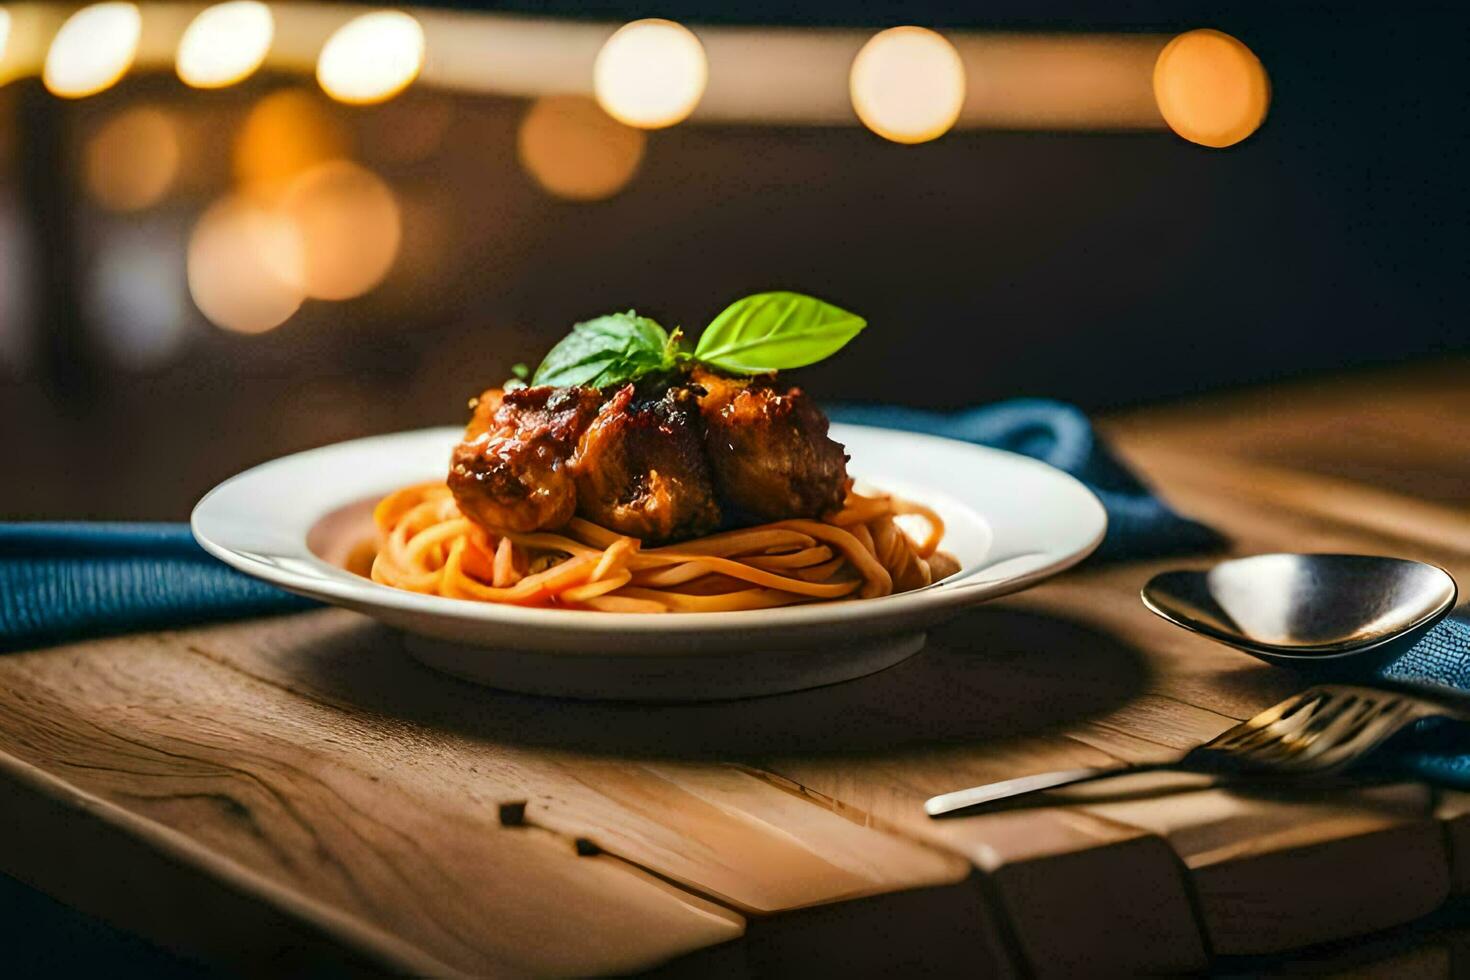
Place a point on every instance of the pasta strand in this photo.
(426, 545)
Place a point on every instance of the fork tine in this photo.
(1317, 731)
(1321, 701)
(1372, 733)
(1336, 738)
(1273, 715)
(1287, 742)
(1300, 748)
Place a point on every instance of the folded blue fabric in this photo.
(1435, 749)
(1140, 525)
(66, 581)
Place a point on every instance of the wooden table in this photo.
(295, 792)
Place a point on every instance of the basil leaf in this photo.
(606, 351)
(775, 331)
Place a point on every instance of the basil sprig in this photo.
(775, 332)
(756, 335)
(607, 351)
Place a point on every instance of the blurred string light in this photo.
(908, 84)
(236, 252)
(225, 44)
(132, 160)
(650, 74)
(333, 233)
(371, 58)
(656, 73)
(285, 133)
(1211, 89)
(575, 150)
(349, 228)
(93, 49)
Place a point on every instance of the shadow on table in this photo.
(990, 674)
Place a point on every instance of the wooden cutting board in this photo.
(294, 792)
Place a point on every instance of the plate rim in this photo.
(363, 593)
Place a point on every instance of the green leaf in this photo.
(520, 370)
(774, 332)
(609, 350)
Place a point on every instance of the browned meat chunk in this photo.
(769, 449)
(661, 462)
(641, 469)
(511, 473)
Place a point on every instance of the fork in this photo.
(1318, 732)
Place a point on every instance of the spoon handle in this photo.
(964, 799)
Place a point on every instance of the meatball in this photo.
(640, 467)
(512, 471)
(768, 447)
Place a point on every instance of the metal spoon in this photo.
(1305, 610)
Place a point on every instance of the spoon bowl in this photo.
(1301, 609)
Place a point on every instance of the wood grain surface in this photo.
(294, 792)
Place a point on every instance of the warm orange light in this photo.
(650, 74)
(1211, 89)
(237, 254)
(349, 226)
(371, 58)
(4, 31)
(131, 162)
(285, 133)
(93, 49)
(225, 44)
(575, 150)
(908, 84)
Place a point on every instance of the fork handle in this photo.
(950, 803)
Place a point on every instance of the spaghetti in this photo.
(426, 545)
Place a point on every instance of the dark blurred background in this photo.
(1109, 269)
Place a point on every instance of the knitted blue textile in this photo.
(65, 581)
(1140, 525)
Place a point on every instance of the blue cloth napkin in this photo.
(1140, 525)
(66, 581)
(1435, 749)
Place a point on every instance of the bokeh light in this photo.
(93, 49)
(908, 84)
(285, 133)
(650, 74)
(575, 150)
(4, 31)
(371, 58)
(349, 227)
(225, 44)
(1211, 89)
(237, 253)
(131, 161)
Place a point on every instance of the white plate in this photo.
(1010, 521)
